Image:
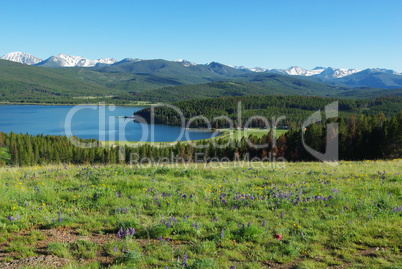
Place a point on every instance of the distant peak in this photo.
(21, 57)
(185, 62)
(216, 63)
(130, 60)
(319, 68)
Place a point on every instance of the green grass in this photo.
(218, 215)
(224, 134)
(239, 134)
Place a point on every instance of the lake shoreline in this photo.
(71, 104)
(89, 122)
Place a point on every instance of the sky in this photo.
(264, 33)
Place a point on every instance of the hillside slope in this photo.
(23, 83)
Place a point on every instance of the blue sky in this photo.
(266, 33)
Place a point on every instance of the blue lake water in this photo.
(99, 122)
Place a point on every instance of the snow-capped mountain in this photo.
(90, 63)
(254, 69)
(21, 57)
(321, 72)
(258, 69)
(330, 73)
(126, 60)
(298, 71)
(61, 60)
(185, 62)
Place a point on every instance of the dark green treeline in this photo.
(360, 138)
(295, 108)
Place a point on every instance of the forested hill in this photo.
(267, 84)
(23, 83)
(296, 109)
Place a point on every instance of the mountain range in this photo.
(25, 78)
(60, 60)
(326, 74)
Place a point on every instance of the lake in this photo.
(99, 122)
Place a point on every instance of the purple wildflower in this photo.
(397, 209)
(120, 233)
(125, 233)
(184, 262)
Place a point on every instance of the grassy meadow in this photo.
(218, 215)
(224, 134)
(239, 134)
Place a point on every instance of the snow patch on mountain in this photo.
(298, 71)
(62, 60)
(253, 69)
(257, 69)
(90, 63)
(330, 72)
(185, 62)
(21, 57)
(125, 60)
